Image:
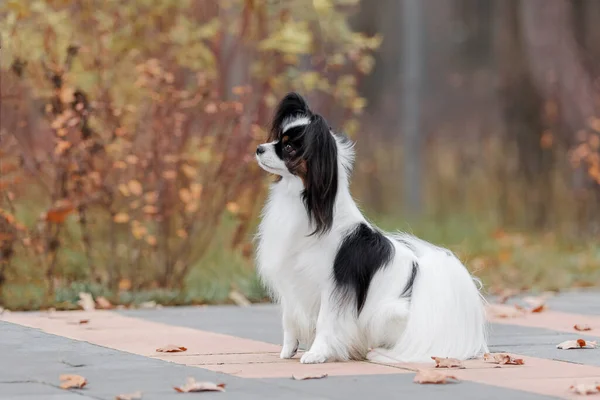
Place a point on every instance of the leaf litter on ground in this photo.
(68, 381)
(171, 348)
(504, 311)
(192, 385)
(306, 377)
(441, 362)
(585, 388)
(582, 327)
(131, 396)
(502, 359)
(433, 376)
(577, 344)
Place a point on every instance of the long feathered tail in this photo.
(447, 314)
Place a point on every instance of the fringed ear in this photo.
(321, 181)
(290, 106)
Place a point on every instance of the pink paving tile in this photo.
(555, 320)
(136, 335)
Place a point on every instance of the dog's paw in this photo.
(313, 358)
(288, 351)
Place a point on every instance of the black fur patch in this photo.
(362, 253)
(407, 292)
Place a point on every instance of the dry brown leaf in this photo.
(432, 376)
(504, 311)
(131, 396)
(83, 321)
(170, 348)
(582, 327)
(86, 301)
(585, 388)
(576, 344)
(502, 359)
(72, 381)
(193, 386)
(447, 362)
(536, 304)
(103, 304)
(306, 377)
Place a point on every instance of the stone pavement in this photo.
(115, 351)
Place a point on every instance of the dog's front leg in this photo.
(290, 332)
(327, 344)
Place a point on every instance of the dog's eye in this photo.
(288, 148)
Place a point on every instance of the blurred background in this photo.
(128, 129)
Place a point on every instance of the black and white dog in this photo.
(344, 286)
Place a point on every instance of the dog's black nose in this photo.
(260, 149)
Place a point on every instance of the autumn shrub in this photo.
(127, 146)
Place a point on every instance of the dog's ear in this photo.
(321, 181)
(290, 106)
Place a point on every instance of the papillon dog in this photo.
(347, 290)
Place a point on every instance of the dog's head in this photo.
(302, 146)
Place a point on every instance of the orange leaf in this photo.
(432, 376)
(60, 211)
(185, 195)
(72, 381)
(61, 147)
(582, 327)
(151, 240)
(171, 349)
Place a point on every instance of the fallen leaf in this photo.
(582, 327)
(536, 304)
(193, 386)
(131, 396)
(447, 362)
(585, 388)
(432, 376)
(171, 349)
(80, 322)
(576, 344)
(72, 381)
(103, 304)
(502, 359)
(239, 299)
(306, 377)
(504, 311)
(86, 301)
(124, 284)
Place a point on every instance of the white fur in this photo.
(444, 316)
(299, 121)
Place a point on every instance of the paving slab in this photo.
(116, 352)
